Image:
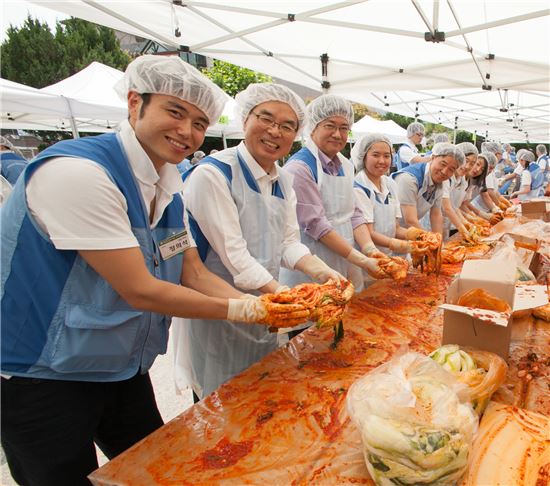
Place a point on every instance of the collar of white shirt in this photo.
(256, 169)
(363, 179)
(168, 179)
(429, 176)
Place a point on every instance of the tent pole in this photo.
(71, 119)
(224, 141)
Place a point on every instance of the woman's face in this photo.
(477, 168)
(378, 159)
(467, 166)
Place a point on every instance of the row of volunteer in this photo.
(103, 241)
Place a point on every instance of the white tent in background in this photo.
(228, 126)
(389, 128)
(479, 64)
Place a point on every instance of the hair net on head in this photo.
(528, 156)
(414, 128)
(442, 149)
(519, 152)
(467, 148)
(199, 154)
(490, 157)
(257, 93)
(169, 75)
(5, 142)
(492, 147)
(363, 145)
(441, 137)
(326, 106)
(541, 148)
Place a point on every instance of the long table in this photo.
(284, 421)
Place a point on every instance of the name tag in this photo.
(174, 244)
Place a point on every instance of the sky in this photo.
(15, 12)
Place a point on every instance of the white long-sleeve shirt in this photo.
(208, 198)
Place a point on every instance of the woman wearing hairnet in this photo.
(242, 209)
(532, 178)
(455, 189)
(93, 243)
(331, 224)
(376, 194)
(487, 202)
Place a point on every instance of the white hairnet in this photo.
(170, 75)
(199, 154)
(540, 148)
(363, 145)
(527, 155)
(441, 138)
(324, 107)
(490, 157)
(414, 128)
(492, 147)
(442, 149)
(467, 148)
(258, 93)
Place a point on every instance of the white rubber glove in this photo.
(282, 288)
(318, 270)
(256, 311)
(370, 265)
(485, 215)
(495, 210)
(400, 246)
(371, 251)
(413, 233)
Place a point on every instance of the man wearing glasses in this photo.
(242, 211)
(331, 224)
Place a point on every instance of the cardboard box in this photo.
(536, 209)
(479, 328)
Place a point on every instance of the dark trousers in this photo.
(49, 427)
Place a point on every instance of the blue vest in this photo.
(12, 165)
(367, 191)
(397, 162)
(60, 319)
(305, 155)
(537, 176)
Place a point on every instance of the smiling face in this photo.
(377, 160)
(268, 142)
(477, 168)
(442, 168)
(466, 167)
(168, 128)
(331, 135)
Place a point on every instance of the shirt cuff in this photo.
(252, 278)
(318, 230)
(357, 221)
(292, 253)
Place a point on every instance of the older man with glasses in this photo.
(242, 209)
(331, 223)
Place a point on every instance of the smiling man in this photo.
(420, 186)
(95, 258)
(243, 210)
(331, 223)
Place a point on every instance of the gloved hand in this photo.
(400, 246)
(371, 251)
(495, 210)
(370, 265)
(485, 215)
(282, 288)
(413, 233)
(261, 311)
(318, 270)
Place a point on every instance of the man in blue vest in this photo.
(94, 240)
(420, 187)
(408, 154)
(11, 163)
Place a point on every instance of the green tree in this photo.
(34, 56)
(233, 79)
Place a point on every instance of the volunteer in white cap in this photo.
(93, 238)
(331, 224)
(243, 210)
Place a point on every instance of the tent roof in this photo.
(389, 128)
(490, 46)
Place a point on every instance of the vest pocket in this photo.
(97, 340)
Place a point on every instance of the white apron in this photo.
(210, 352)
(458, 188)
(339, 205)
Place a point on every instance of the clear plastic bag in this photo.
(506, 252)
(416, 424)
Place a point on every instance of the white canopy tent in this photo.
(389, 128)
(483, 61)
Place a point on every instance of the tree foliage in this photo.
(233, 79)
(35, 56)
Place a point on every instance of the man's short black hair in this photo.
(146, 97)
